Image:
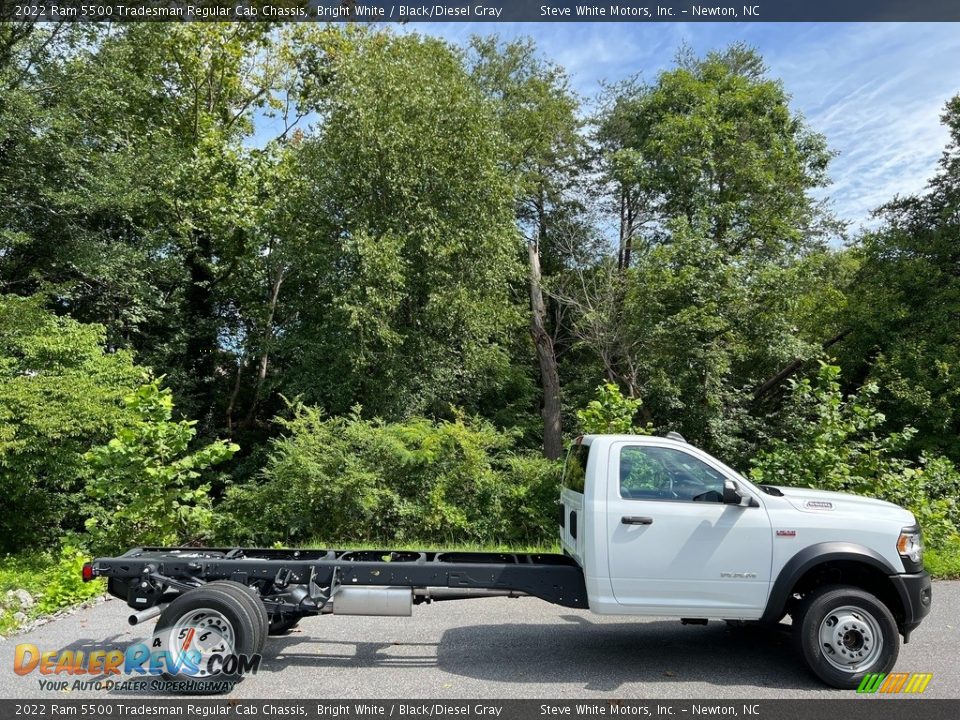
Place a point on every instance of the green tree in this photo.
(710, 175)
(402, 296)
(145, 481)
(714, 142)
(131, 189)
(838, 442)
(538, 115)
(903, 306)
(61, 392)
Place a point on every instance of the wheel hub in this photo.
(850, 639)
(853, 640)
(204, 632)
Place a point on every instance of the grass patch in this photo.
(944, 562)
(433, 547)
(53, 581)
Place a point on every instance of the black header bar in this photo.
(418, 11)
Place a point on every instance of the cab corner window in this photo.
(661, 473)
(575, 469)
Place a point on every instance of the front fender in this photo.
(813, 555)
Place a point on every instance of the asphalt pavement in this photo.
(508, 648)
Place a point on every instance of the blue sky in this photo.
(876, 90)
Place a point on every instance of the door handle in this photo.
(634, 520)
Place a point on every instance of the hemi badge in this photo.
(786, 533)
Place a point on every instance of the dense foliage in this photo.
(60, 393)
(144, 482)
(611, 412)
(403, 296)
(342, 479)
(903, 306)
(385, 278)
(837, 442)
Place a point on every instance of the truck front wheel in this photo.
(843, 633)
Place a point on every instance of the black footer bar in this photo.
(875, 707)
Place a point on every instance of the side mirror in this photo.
(731, 493)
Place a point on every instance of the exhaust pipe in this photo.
(144, 615)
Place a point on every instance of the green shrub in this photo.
(53, 580)
(939, 479)
(532, 492)
(944, 562)
(64, 585)
(611, 412)
(60, 393)
(837, 442)
(145, 483)
(350, 479)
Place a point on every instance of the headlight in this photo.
(910, 544)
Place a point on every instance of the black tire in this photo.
(280, 624)
(851, 621)
(250, 596)
(225, 606)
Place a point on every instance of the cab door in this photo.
(674, 546)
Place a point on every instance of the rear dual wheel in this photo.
(250, 596)
(202, 628)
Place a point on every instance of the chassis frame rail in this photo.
(144, 577)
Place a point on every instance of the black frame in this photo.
(144, 577)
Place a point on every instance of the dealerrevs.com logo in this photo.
(894, 682)
(195, 655)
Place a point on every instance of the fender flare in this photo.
(810, 557)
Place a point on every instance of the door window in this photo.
(661, 473)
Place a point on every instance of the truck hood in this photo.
(826, 501)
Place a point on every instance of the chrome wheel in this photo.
(850, 639)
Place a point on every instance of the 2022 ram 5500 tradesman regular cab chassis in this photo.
(649, 526)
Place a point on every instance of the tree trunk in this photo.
(547, 359)
(268, 334)
(202, 341)
(628, 234)
(623, 227)
(235, 394)
(768, 385)
(626, 229)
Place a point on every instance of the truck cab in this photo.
(662, 528)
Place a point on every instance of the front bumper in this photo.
(916, 595)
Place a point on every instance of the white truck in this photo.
(650, 526)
